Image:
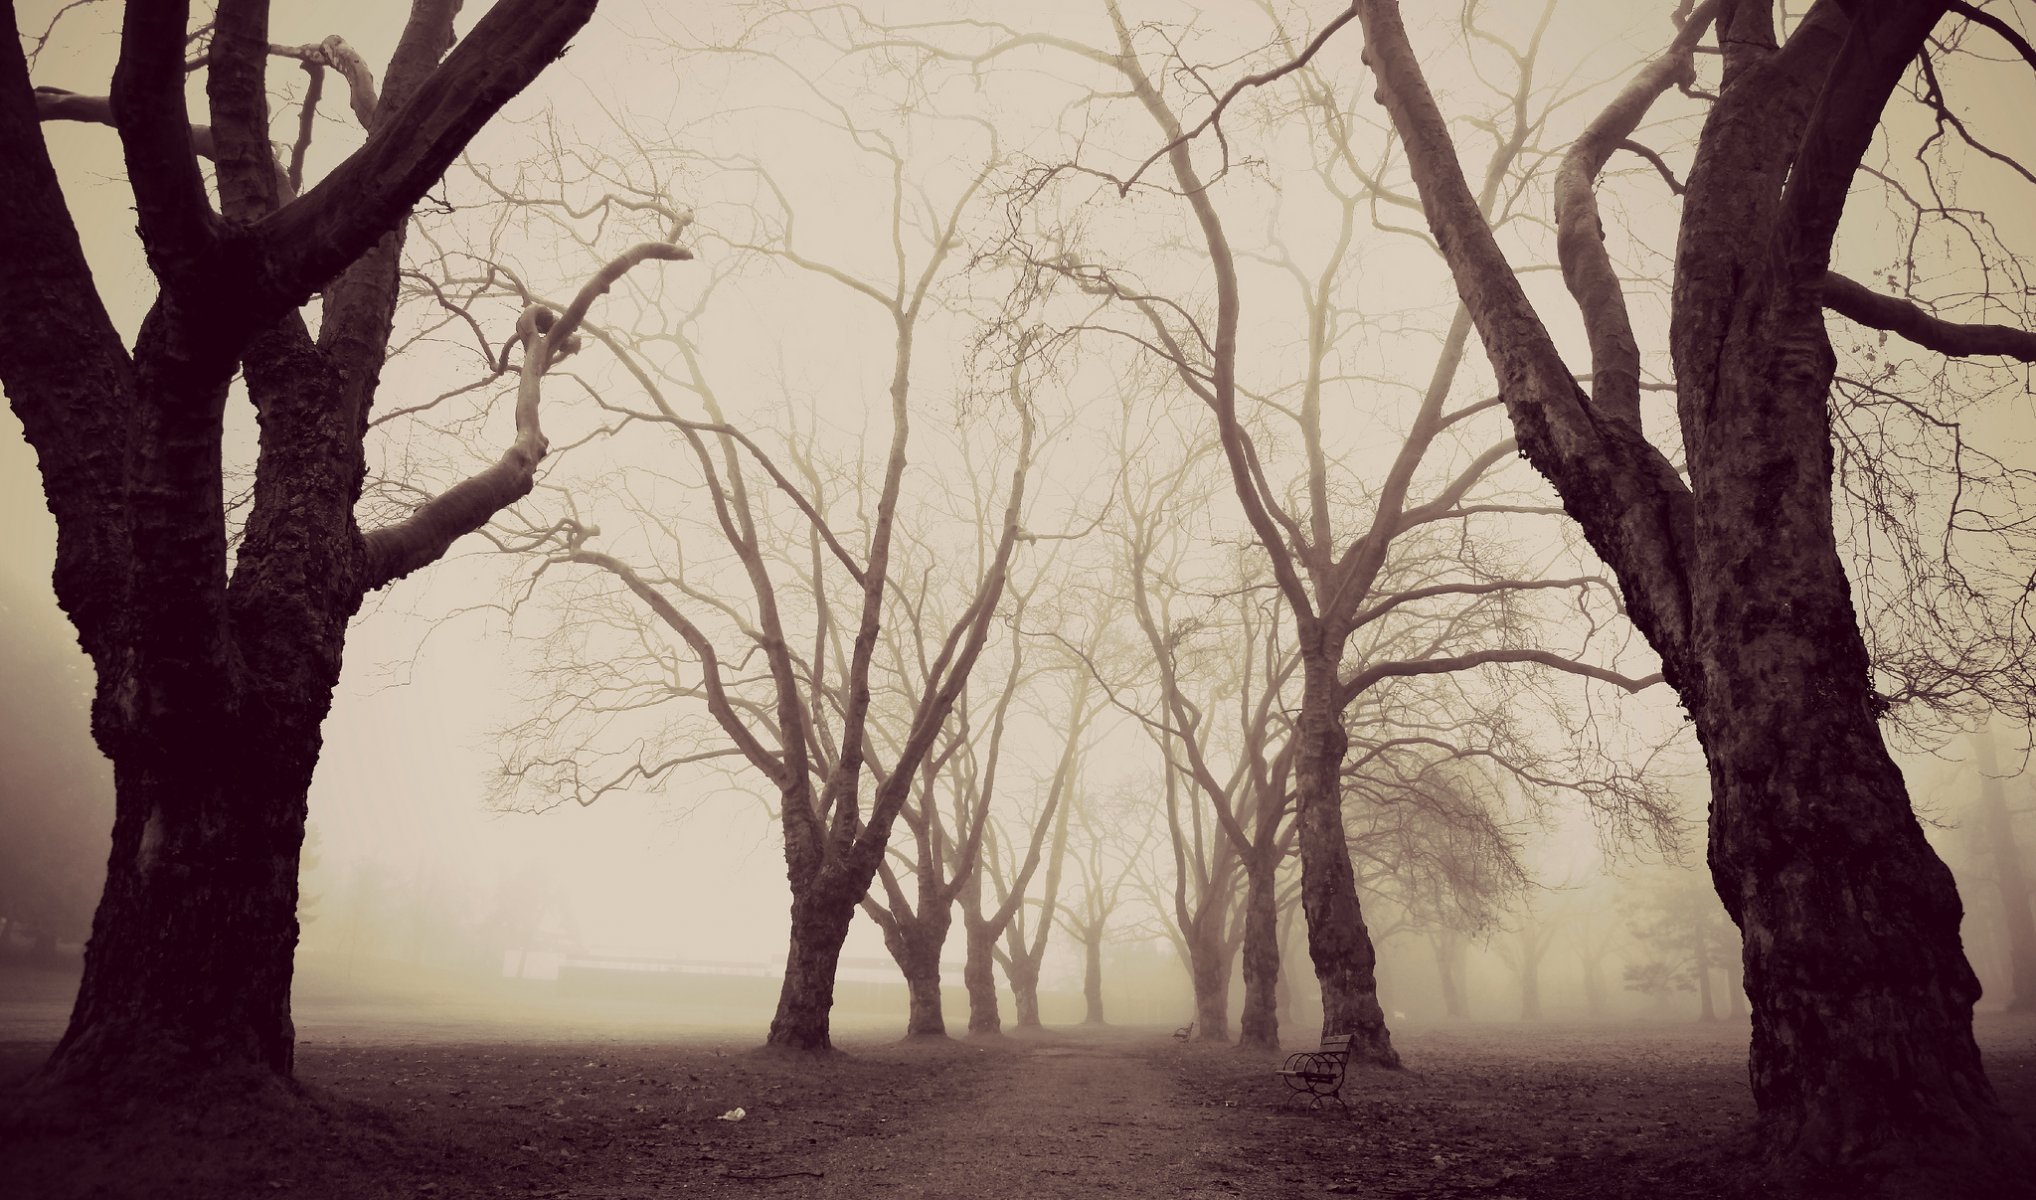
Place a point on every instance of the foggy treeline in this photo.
(960, 523)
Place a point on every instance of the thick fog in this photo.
(478, 853)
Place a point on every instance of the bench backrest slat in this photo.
(1340, 1042)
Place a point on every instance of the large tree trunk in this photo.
(1092, 977)
(915, 942)
(1338, 941)
(1862, 998)
(924, 1017)
(1259, 1024)
(189, 965)
(1209, 973)
(2011, 881)
(820, 920)
(979, 975)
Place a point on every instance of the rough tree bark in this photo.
(213, 680)
(1862, 1048)
(979, 970)
(1345, 961)
(1258, 1022)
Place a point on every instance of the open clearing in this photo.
(421, 1109)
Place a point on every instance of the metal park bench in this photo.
(1318, 1074)
(1185, 1032)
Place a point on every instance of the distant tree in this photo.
(1675, 918)
(1014, 932)
(751, 627)
(1107, 839)
(2008, 861)
(1659, 979)
(944, 858)
(56, 789)
(1522, 948)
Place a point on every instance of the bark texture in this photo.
(820, 923)
(979, 976)
(1862, 1048)
(1258, 1025)
(1338, 939)
(213, 679)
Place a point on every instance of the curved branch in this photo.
(313, 239)
(424, 537)
(1861, 304)
(1363, 680)
(1580, 236)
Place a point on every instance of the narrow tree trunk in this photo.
(2011, 880)
(820, 921)
(979, 975)
(189, 964)
(1338, 942)
(1449, 970)
(1259, 1023)
(1594, 987)
(1530, 985)
(1092, 977)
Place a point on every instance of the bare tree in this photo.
(1024, 932)
(945, 865)
(840, 707)
(1862, 1040)
(1334, 584)
(215, 667)
(1102, 858)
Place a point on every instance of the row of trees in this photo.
(1364, 658)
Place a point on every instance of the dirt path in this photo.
(1497, 1111)
(1060, 1116)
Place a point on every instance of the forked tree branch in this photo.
(424, 537)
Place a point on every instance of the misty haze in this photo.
(1107, 598)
